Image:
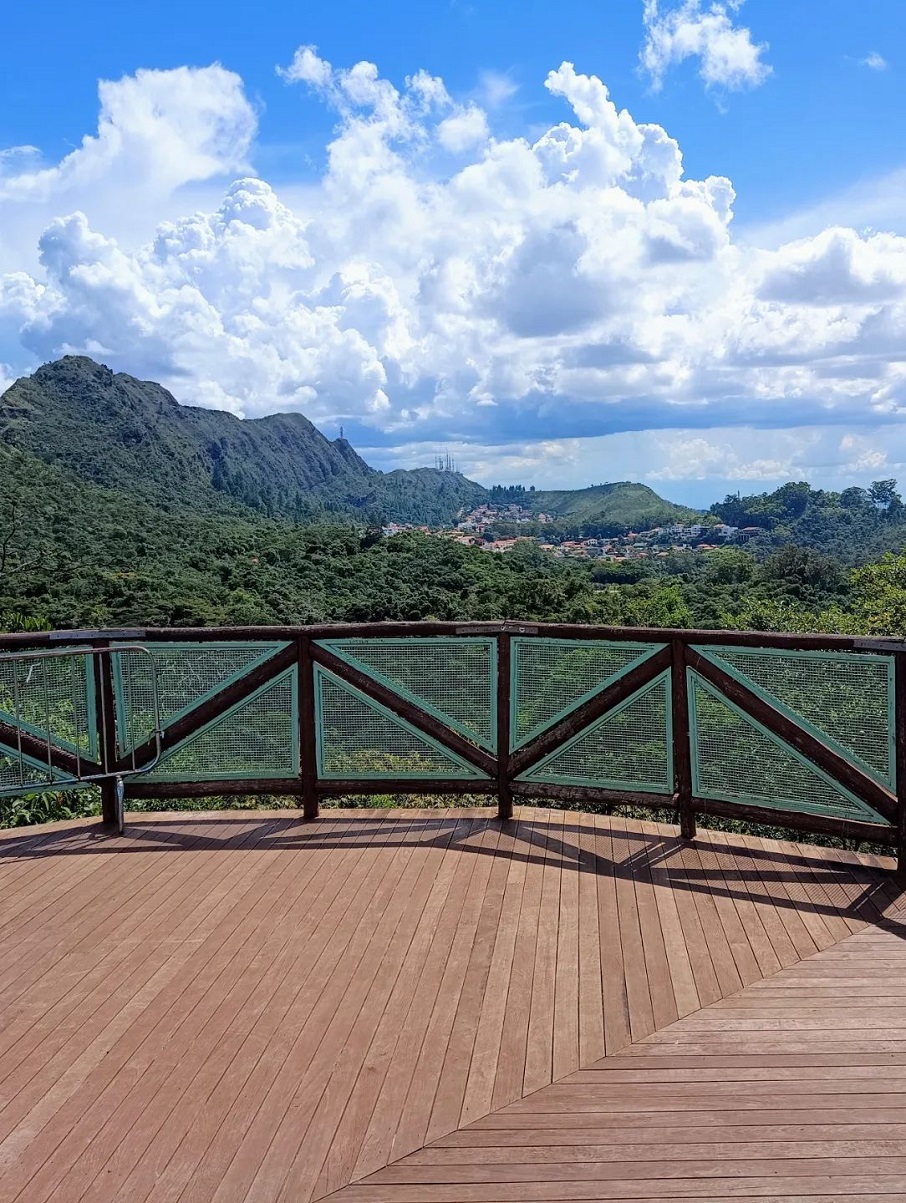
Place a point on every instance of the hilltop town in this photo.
(484, 527)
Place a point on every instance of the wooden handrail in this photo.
(501, 770)
(806, 641)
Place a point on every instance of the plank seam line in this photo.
(643, 1041)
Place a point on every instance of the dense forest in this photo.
(77, 554)
(855, 525)
(92, 541)
(119, 507)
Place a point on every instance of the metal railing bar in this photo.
(16, 698)
(36, 658)
(47, 739)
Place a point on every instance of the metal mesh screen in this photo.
(550, 677)
(359, 738)
(453, 679)
(847, 697)
(258, 738)
(186, 675)
(19, 773)
(734, 759)
(52, 697)
(630, 747)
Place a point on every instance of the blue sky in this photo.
(428, 265)
(823, 123)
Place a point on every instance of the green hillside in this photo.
(113, 430)
(74, 554)
(620, 504)
(122, 433)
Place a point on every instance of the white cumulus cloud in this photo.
(874, 61)
(544, 299)
(728, 57)
(157, 132)
(463, 129)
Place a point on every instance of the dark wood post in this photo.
(105, 720)
(307, 719)
(900, 733)
(682, 761)
(504, 790)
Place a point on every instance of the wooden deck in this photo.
(429, 1005)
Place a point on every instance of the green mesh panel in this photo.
(455, 679)
(258, 737)
(359, 738)
(735, 759)
(20, 774)
(551, 677)
(630, 747)
(187, 674)
(846, 698)
(52, 697)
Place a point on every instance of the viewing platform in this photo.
(390, 1006)
(502, 1002)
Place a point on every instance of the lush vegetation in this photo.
(132, 436)
(855, 525)
(609, 509)
(73, 554)
(78, 554)
(120, 508)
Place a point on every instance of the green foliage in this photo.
(652, 603)
(854, 526)
(621, 572)
(92, 556)
(50, 807)
(605, 510)
(132, 436)
(119, 507)
(803, 576)
(730, 566)
(105, 558)
(880, 597)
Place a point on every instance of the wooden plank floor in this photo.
(240, 1007)
(792, 1089)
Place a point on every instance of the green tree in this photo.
(855, 498)
(880, 596)
(730, 566)
(883, 493)
(807, 577)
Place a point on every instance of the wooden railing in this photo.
(806, 732)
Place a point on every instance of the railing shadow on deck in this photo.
(785, 878)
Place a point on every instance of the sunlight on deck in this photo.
(238, 1006)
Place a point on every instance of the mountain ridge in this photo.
(116, 431)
